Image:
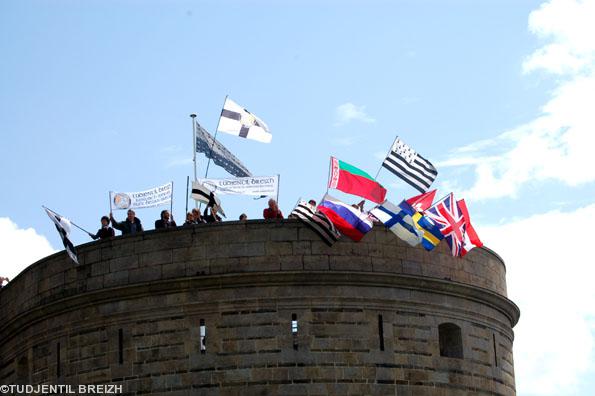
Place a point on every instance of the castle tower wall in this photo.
(280, 313)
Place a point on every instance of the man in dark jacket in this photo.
(131, 225)
(105, 231)
(164, 221)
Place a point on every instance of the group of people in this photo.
(132, 224)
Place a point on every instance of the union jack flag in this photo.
(451, 220)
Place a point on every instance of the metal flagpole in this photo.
(58, 214)
(389, 150)
(187, 182)
(329, 174)
(171, 201)
(214, 137)
(278, 183)
(193, 116)
(110, 202)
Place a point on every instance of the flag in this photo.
(352, 180)
(399, 219)
(431, 232)
(422, 201)
(410, 166)
(348, 220)
(317, 221)
(202, 194)
(471, 239)
(446, 214)
(238, 121)
(213, 149)
(63, 226)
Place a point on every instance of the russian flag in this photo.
(347, 219)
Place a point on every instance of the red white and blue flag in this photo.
(448, 216)
(350, 221)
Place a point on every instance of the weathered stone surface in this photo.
(131, 315)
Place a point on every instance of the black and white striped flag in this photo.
(63, 226)
(202, 194)
(205, 143)
(410, 166)
(317, 221)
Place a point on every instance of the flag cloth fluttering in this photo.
(213, 149)
(447, 215)
(350, 221)
(352, 180)
(63, 226)
(238, 121)
(422, 201)
(399, 219)
(471, 239)
(410, 166)
(202, 194)
(317, 221)
(431, 232)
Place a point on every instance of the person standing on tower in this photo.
(131, 225)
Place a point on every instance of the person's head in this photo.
(165, 215)
(189, 216)
(243, 217)
(131, 215)
(273, 204)
(312, 202)
(104, 221)
(195, 214)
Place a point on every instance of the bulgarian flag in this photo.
(352, 180)
(347, 219)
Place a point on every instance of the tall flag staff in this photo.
(193, 117)
(214, 140)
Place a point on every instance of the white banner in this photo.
(258, 185)
(144, 199)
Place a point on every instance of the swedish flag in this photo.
(431, 232)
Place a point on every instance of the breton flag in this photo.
(410, 166)
(352, 180)
(202, 194)
(350, 221)
(213, 149)
(317, 221)
(63, 226)
(399, 219)
(238, 121)
(447, 215)
(471, 239)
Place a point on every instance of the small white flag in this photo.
(238, 121)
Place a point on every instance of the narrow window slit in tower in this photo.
(120, 346)
(381, 332)
(495, 351)
(58, 368)
(294, 330)
(203, 337)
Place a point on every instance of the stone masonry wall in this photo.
(367, 315)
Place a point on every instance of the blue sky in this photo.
(95, 96)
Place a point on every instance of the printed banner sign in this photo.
(259, 185)
(144, 199)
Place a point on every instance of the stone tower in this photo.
(261, 308)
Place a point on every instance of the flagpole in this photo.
(56, 213)
(214, 138)
(278, 184)
(171, 201)
(187, 182)
(193, 116)
(329, 174)
(110, 202)
(389, 150)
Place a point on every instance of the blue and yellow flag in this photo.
(431, 232)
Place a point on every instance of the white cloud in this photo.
(20, 248)
(558, 144)
(348, 112)
(550, 277)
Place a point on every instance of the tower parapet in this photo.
(264, 308)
